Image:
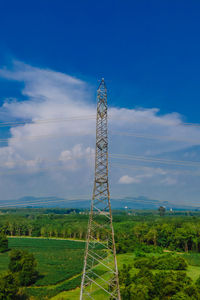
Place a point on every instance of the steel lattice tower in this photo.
(100, 273)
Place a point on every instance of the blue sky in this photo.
(148, 53)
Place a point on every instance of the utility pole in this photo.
(100, 272)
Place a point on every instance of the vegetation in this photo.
(58, 260)
(58, 263)
(22, 272)
(23, 267)
(159, 286)
(164, 262)
(8, 287)
(3, 243)
(157, 249)
(171, 231)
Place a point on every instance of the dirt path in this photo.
(169, 251)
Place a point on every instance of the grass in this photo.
(193, 272)
(193, 259)
(127, 258)
(69, 295)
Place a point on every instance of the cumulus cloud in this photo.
(56, 156)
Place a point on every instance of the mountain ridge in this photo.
(140, 202)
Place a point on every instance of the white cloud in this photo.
(143, 174)
(61, 162)
(126, 179)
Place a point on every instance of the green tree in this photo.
(168, 284)
(161, 210)
(139, 292)
(163, 285)
(180, 296)
(23, 266)
(3, 243)
(151, 236)
(8, 287)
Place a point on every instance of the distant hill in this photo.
(140, 202)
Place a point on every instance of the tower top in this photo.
(102, 85)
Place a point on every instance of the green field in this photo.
(60, 263)
(193, 271)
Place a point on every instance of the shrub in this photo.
(164, 262)
(148, 248)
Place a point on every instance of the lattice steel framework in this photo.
(100, 273)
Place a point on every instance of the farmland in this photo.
(60, 266)
(193, 271)
(59, 263)
(57, 243)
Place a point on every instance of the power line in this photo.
(83, 117)
(114, 156)
(40, 169)
(47, 121)
(129, 134)
(35, 137)
(138, 135)
(81, 198)
(155, 160)
(143, 168)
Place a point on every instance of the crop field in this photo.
(60, 263)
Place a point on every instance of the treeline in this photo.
(44, 225)
(32, 229)
(180, 233)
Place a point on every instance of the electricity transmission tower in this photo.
(100, 273)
